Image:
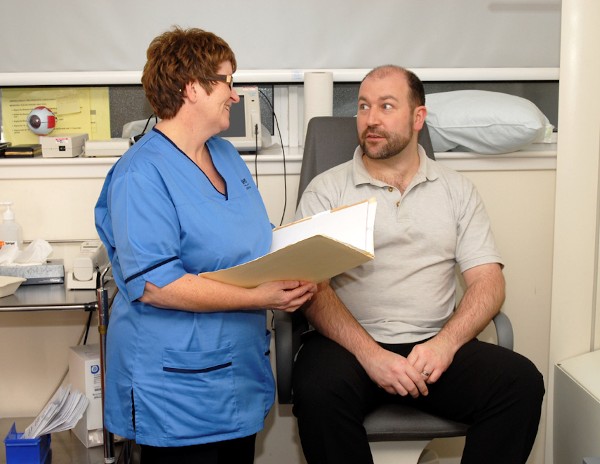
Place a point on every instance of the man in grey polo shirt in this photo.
(389, 330)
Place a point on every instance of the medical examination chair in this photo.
(397, 434)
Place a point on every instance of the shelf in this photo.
(249, 76)
(537, 157)
(270, 162)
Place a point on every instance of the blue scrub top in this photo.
(177, 378)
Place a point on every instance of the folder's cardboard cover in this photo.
(313, 249)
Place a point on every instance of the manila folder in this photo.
(312, 249)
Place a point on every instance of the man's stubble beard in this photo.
(395, 144)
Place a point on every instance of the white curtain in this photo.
(112, 35)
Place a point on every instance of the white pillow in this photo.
(484, 122)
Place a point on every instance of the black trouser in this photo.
(238, 451)
(495, 390)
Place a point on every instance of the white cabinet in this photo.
(577, 409)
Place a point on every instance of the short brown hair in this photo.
(176, 58)
(415, 86)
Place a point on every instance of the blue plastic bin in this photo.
(26, 450)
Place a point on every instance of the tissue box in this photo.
(51, 272)
(26, 450)
(85, 376)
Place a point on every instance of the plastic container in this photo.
(26, 450)
(11, 232)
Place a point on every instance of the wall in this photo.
(54, 200)
(33, 347)
(521, 207)
(575, 306)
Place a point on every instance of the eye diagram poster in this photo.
(78, 110)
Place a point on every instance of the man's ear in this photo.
(419, 115)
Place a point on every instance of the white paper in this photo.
(62, 412)
(313, 249)
(344, 224)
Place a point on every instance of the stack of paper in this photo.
(313, 249)
(62, 412)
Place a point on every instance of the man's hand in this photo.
(481, 301)
(394, 373)
(432, 358)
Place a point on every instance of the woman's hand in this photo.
(196, 293)
(285, 295)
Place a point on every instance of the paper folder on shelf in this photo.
(313, 249)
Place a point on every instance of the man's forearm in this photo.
(330, 317)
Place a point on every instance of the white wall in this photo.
(34, 346)
(521, 207)
(575, 305)
(54, 200)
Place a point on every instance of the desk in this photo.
(56, 297)
(52, 297)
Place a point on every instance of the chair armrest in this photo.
(284, 358)
(504, 331)
(288, 328)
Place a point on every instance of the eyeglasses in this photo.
(227, 78)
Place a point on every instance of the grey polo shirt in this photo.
(408, 291)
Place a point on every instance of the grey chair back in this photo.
(331, 140)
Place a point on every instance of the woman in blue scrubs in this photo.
(188, 371)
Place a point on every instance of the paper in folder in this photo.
(313, 249)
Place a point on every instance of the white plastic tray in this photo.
(9, 285)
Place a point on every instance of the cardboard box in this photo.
(85, 376)
(62, 146)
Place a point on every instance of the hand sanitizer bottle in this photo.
(11, 232)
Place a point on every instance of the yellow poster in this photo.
(78, 110)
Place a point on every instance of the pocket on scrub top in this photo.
(199, 393)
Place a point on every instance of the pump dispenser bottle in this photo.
(11, 232)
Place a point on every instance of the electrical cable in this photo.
(135, 138)
(256, 153)
(87, 328)
(81, 341)
(283, 154)
(82, 337)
